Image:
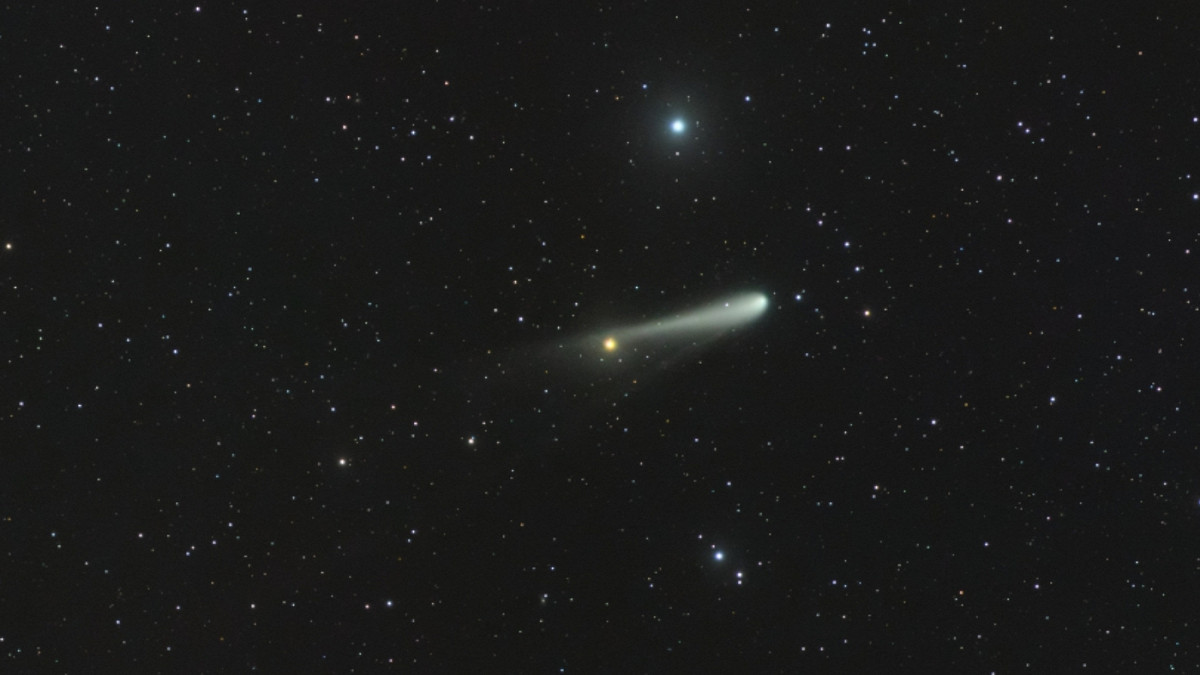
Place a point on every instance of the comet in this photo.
(700, 323)
(603, 363)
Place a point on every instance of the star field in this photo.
(311, 318)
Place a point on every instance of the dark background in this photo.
(297, 368)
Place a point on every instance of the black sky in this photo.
(301, 314)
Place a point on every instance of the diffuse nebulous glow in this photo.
(707, 321)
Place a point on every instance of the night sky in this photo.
(303, 314)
